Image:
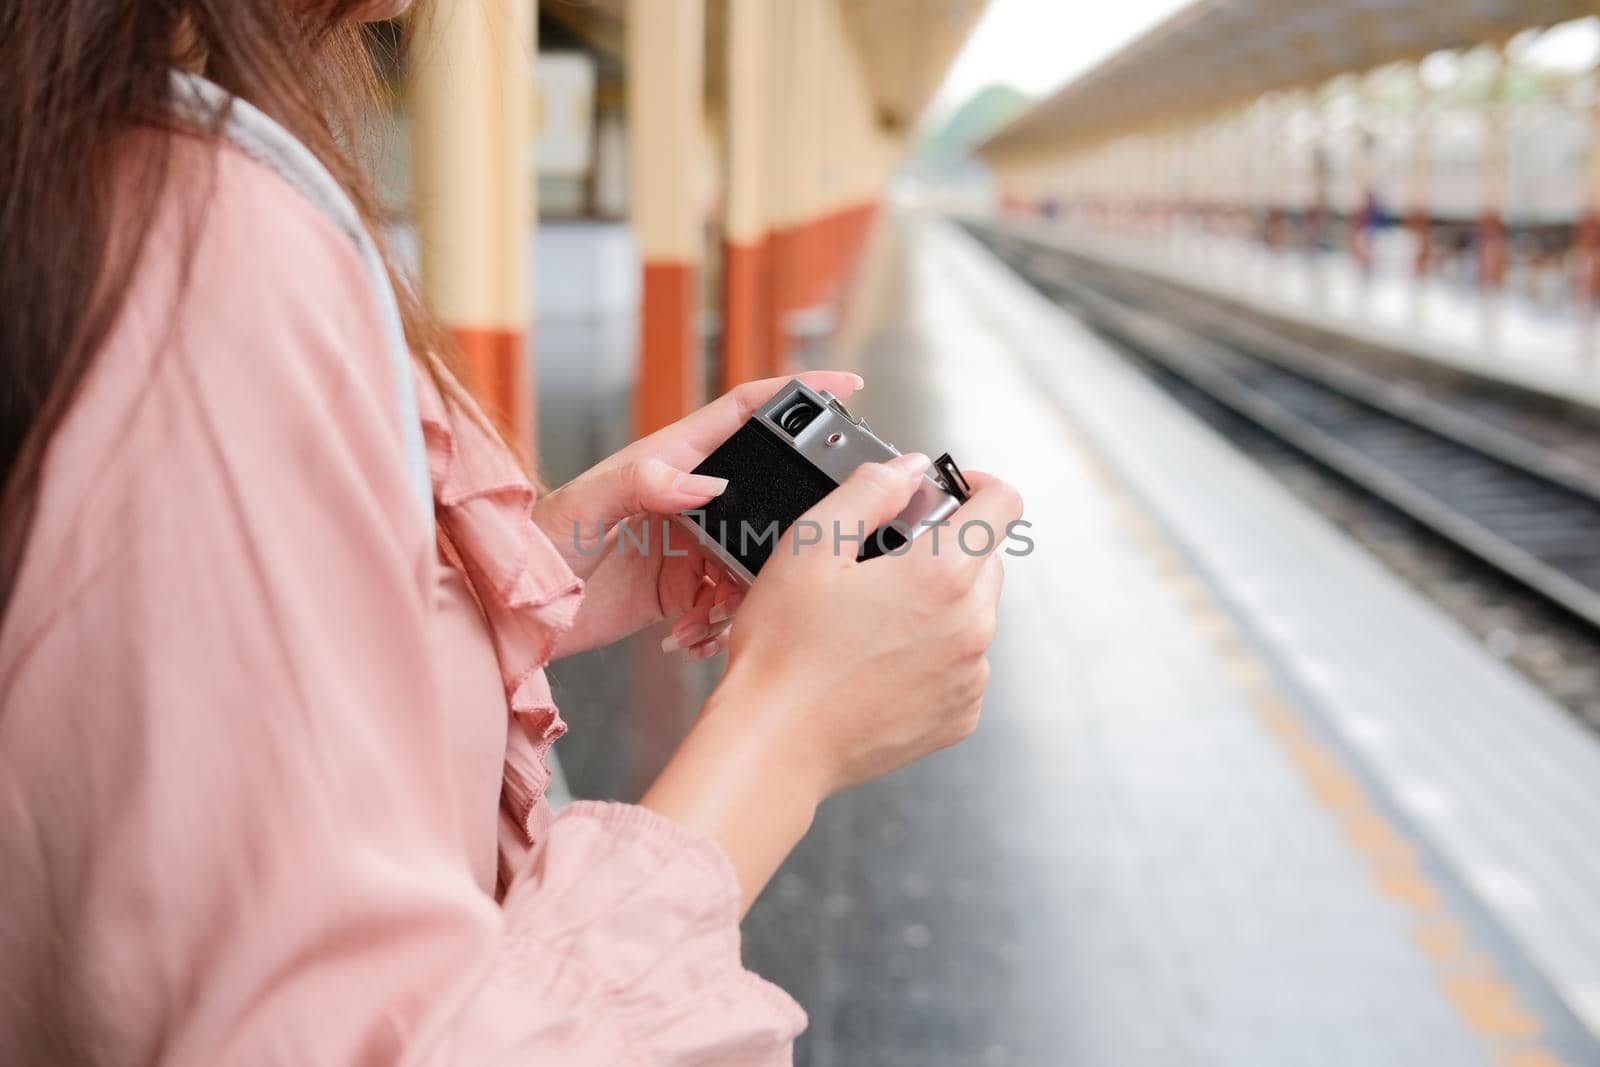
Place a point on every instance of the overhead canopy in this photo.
(905, 45)
(1217, 52)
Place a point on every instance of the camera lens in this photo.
(797, 416)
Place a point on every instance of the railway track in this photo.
(1521, 506)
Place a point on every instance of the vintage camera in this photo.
(791, 453)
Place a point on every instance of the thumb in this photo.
(607, 495)
(872, 495)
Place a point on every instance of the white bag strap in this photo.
(263, 140)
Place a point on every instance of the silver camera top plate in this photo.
(836, 443)
(833, 440)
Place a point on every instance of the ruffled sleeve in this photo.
(229, 831)
(627, 935)
(623, 926)
(528, 593)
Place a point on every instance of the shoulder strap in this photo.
(263, 140)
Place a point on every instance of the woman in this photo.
(271, 733)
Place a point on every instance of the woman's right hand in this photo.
(839, 671)
(862, 668)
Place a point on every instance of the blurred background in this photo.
(1282, 316)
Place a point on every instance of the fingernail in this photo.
(911, 463)
(860, 381)
(718, 613)
(683, 639)
(699, 485)
(684, 633)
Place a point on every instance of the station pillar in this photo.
(1265, 153)
(665, 54)
(1492, 248)
(1419, 212)
(747, 277)
(1587, 240)
(1361, 226)
(1492, 252)
(790, 113)
(1588, 235)
(470, 93)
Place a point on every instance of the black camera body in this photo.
(792, 452)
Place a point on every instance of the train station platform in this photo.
(1239, 796)
(1551, 347)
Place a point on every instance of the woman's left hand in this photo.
(644, 484)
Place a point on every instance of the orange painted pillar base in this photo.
(744, 331)
(806, 265)
(808, 253)
(783, 263)
(1587, 241)
(669, 346)
(1422, 234)
(497, 365)
(813, 252)
(858, 227)
(1491, 250)
(855, 225)
(1359, 228)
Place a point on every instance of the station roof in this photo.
(905, 45)
(1218, 52)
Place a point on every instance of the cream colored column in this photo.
(1419, 213)
(666, 79)
(857, 189)
(807, 133)
(783, 180)
(1588, 237)
(470, 97)
(745, 261)
(783, 107)
(1358, 237)
(1492, 222)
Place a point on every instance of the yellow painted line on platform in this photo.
(1487, 1004)
(1531, 1058)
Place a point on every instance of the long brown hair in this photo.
(78, 78)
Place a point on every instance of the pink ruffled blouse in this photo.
(271, 749)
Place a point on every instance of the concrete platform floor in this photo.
(1136, 860)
